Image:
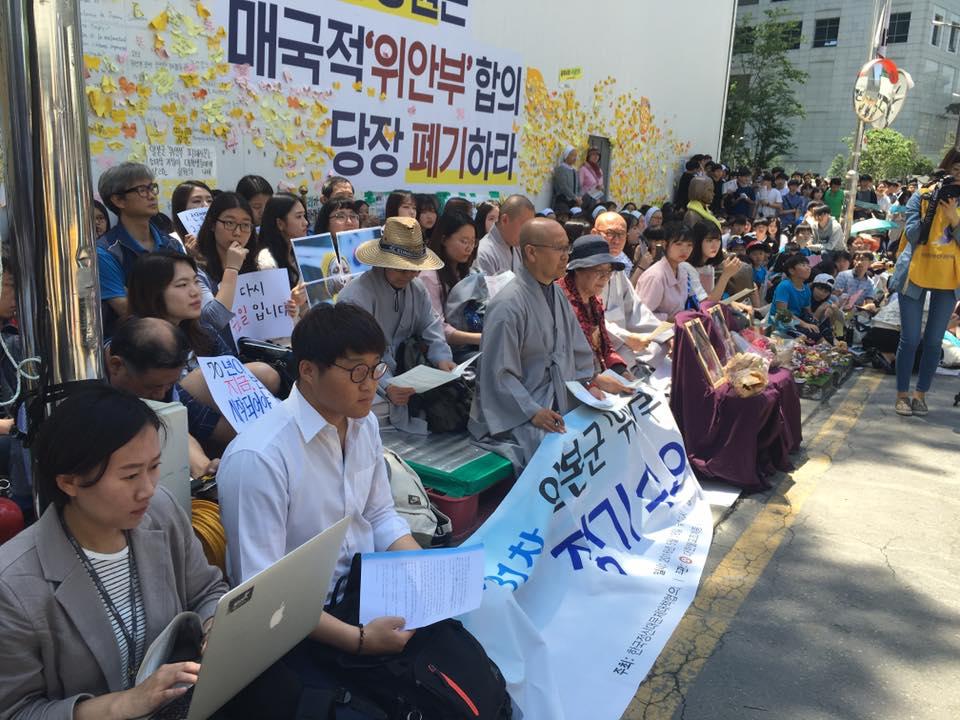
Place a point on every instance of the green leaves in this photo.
(761, 102)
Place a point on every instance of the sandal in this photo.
(904, 407)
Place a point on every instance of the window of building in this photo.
(937, 31)
(743, 40)
(826, 32)
(954, 38)
(747, 2)
(899, 28)
(791, 32)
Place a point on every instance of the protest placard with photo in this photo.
(322, 269)
(348, 242)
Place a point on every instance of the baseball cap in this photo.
(824, 279)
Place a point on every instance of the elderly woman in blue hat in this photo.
(588, 271)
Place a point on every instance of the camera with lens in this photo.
(947, 188)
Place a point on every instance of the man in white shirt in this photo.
(769, 199)
(315, 459)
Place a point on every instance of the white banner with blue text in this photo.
(591, 561)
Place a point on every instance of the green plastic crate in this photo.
(450, 463)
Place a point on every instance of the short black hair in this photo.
(794, 260)
(143, 344)
(835, 181)
(252, 185)
(675, 232)
(327, 190)
(821, 210)
(328, 332)
(739, 220)
(693, 163)
(83, 433)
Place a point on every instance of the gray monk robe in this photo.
(625, 314)
(529, 351)
(401, 314)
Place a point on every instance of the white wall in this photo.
(675, 54)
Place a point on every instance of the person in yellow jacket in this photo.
(927, 270)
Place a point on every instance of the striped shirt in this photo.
(114, 572)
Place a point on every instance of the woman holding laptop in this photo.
(111, 561)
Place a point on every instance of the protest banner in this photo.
(238, 394)
(430, 95)
(591, 561)
(259, 305)
(192, 219)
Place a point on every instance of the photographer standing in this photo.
(929, 264)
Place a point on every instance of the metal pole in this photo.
(878, 32)
(49, 188)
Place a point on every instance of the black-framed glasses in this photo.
(619, 234)
(232, 225)
(143, 191)
(359, 373)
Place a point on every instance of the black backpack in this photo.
(442, 674)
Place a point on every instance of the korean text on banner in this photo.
(432, 108)
(591, 561)
(238, 394)
(259, 306)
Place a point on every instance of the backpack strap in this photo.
(336, 704)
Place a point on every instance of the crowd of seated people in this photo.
(567, 294)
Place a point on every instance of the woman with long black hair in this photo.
(455, 242)
(167, 285)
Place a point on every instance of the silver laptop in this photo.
(262, 619)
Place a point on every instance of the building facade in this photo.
(833, 43)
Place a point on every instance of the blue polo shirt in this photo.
(796, 300)
(116, 253)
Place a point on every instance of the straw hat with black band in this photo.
(400, 248)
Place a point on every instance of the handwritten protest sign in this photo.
(259, 306)
(192, 219)
(238, 394)
(591, 560)
(181, 161)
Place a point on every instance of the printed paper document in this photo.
(421, 586)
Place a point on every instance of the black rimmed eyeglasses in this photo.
(359, 373)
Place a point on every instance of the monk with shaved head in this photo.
(532, 345)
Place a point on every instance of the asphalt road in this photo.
(837, 593)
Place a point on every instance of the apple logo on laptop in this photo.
(277, 616)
